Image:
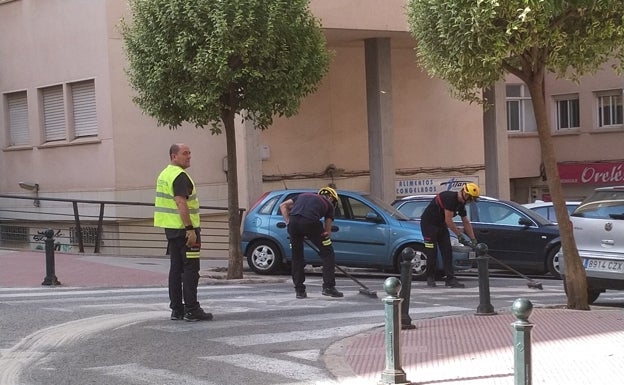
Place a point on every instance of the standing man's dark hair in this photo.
(177, 211)
(303, 215)
(435, 223)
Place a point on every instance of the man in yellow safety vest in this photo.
(177, 211)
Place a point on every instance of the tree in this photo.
(472, 43)
(205, 61)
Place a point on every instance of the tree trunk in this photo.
(575, 279)
(235, 260)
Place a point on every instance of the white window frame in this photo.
(523, 120)
(608, 117)
(18, 129)
(68, 112)
(568, 106)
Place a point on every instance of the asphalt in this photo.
(567, 346)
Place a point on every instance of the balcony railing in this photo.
(106, 227)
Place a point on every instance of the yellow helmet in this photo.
(329, 191)
(472, 190)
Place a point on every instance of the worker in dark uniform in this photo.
(435, 223)
(303, 215)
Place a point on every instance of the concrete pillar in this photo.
(496, 143)
(379, 107)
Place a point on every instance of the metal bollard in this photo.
(50, 278)
(406, 286)
(393, 373)
(485, 306)
(522, 308)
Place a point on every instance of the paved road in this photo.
(261, 334)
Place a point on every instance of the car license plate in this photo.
(603, 265)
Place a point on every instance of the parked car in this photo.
(366, 233)
(547, 210)
(517, 236)
(599, 234)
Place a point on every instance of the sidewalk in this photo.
(19, 268)
(569, 347)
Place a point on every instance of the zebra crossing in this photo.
(260, 335)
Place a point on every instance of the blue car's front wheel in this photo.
(264, 257)
(419, 261)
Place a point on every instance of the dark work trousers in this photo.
(183, 277)
(437, 237)
(298, 228)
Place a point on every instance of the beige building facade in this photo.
(377, 122)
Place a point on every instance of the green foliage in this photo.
(472, 43)
(201, 60)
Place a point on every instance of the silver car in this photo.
(599, 233)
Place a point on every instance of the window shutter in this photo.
(83, 104)
(19, 133)
(53, 114)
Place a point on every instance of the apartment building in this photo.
(588, 131)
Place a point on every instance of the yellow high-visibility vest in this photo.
(166, 211)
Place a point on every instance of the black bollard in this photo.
(393, 373)
(407, 255)
(485, 306)
(522, 308)
(50, 278)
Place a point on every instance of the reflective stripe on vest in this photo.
(166, 211)
(192, 254)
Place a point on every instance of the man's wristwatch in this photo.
(189, 227)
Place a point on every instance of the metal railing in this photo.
(107, 227)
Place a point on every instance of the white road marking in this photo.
(137, 374)
(283, 368)
(310, 355)
(271, 338)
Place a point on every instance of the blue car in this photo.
(367, 233)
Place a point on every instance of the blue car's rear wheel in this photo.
(264, 257)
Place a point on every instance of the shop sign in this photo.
(592, 173)
(432, 185)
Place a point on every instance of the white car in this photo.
(599, 233)
(547, 210)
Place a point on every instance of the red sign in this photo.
(592, 173)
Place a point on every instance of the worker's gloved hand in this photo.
(473, 243)
(191, 238)
(464, 239)
(325, 239)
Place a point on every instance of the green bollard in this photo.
(522, 308)
(393, 373)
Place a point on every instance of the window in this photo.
(78, 120)
(609, 109)
(19, 133)
(53, 114)
(520, 116)
(568, 114)
(83, 108)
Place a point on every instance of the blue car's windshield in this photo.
(388, 209)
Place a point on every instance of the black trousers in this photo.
(438, 237)
(183, 276)
(298, 229)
